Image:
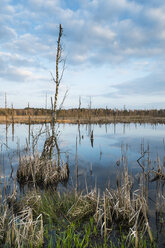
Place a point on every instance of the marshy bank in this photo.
(81, 116)
(114, 218)
(111, 200)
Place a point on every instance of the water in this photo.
(98, 160)
(102, 157)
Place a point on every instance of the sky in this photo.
(114, 52)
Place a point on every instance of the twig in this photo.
(138, 161)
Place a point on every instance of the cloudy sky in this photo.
(114, 50)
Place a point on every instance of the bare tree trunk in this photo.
(52, 140)
(57, 81)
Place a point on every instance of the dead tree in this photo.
(57, 80)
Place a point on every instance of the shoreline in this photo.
(31, 119)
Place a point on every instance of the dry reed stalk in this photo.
(159, 175)
(116, 206)
(85, 205)
(136, 239)
(6, 134)
(11, 198)
(23, 229)
(148, 226)
(3, 218)
(122, 168)
(105, 217)
(4, 177)
(0, 186)
(97, 206)
(76, 168)
(12, 232)
(30, 200)
(121, 207)
(148, 172)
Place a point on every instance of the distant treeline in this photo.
(82, 112)
(25, 111)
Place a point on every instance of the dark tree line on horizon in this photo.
(82, 112)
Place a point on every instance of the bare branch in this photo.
(53, 79)
(63, 100)
(63, 69)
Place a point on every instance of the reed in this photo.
(41, 172)
(20, 230)
(75, 219)
(123, 207)
(24, 230)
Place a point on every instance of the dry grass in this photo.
(18, 226)
(83, 120)
(24, 230)
(21, 229)
(84, 206)
(24, 119)
(122, 207)
(3, 220)
(41, 172)
(115, 208)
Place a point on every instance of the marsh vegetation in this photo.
(121, 207)
(81, 115)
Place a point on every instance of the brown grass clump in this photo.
(20, 228)
(84, 206)
(124, 208)
(41, 172)
(114, 208)
(3, 219)
(24, 230)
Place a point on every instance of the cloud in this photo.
(15, 74)
(105, 39)
(112, 10)
(18, 68)
(97, 34)
(28, 44)
(151, 85)
(6, 7)
(91, 31)
(156, 15)
(7, 34)
(15, 59)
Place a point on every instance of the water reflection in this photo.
(99, 145)
(13, 132)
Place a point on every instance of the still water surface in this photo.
(103, 155)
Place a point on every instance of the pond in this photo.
(99, 153)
